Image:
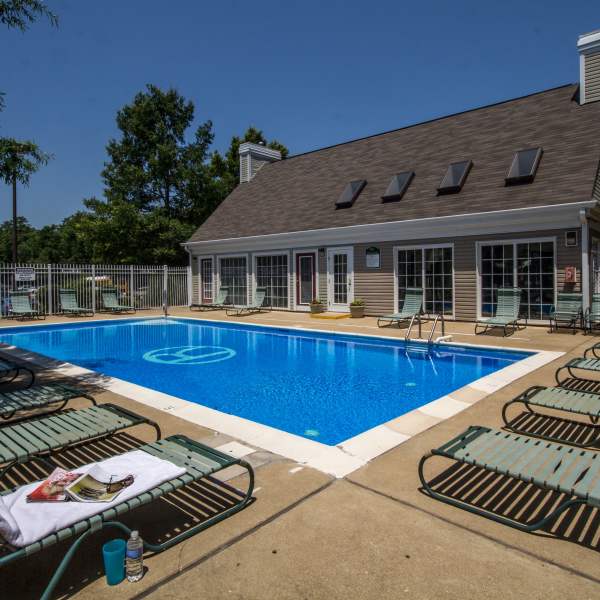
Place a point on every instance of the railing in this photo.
(143, 286)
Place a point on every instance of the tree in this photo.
(18, 162)
(20, 14)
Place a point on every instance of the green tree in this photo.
(18, 162)
(20, 14)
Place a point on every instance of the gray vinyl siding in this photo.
(322, 262)
(592, 77)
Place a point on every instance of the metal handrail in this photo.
(407, 336)
(438, 317)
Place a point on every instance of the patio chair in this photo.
(199, 461)
(585, 404)
(584, 364)
(110, 302)
(591, 318)
(254, 307)
(20, 307)
(33, 438)
(547, 465)
(69, 306)
(38, 397)
(219, 302)
(411, 308)
(567, 312)
(507, 312)
(9, 371)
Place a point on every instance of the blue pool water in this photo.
(321, 386)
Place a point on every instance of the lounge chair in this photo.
(254, 307)
(111, 304)
(584, 364)
(567, 312)
(560, 399)
(37, 397)
(20, 307)
(69, 306)
(9, 371)
(33, 438)
(219, 302)
(547, 465)
(411, 308)
(199, 462)
(591, 318)
(507, 312)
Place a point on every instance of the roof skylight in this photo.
(350, 193)
(524, 166)
(397, 186)
(455, 177)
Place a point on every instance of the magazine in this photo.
(98, 486)
(53, 488)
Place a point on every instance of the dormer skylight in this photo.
(455, 177)
(524, 166)
(350, 193)
(397, 186)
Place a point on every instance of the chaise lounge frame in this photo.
(218, 304)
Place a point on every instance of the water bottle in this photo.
(134, 558)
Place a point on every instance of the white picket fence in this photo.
(142, 286)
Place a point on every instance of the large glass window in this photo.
(272, 274)
(430, 269)
(233, 273)
(526, 265)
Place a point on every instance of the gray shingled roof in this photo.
(299, 193)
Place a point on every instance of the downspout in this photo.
(585, 258)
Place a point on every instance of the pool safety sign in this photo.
(24, 274)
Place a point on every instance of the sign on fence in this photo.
(24, 274)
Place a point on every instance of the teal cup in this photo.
(113, 553)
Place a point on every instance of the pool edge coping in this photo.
(339, 460)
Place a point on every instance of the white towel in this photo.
(22, 522)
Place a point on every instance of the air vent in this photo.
(398, 185)
(351, 193)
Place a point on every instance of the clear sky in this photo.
(309, 73)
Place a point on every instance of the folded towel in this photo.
(23, 523)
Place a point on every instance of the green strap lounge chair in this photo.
(9, 371)
(69, 306)
(559, 399)
(547, 465)
(592, 365)
(20, 307)
(199, 461)
(111, 304)
(34, 438)
(254, 307)
(507, 312)
(412, 307)
(567, 312)
(219, 302)
(55, 395)
(592, 314)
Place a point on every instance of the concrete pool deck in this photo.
(371, 534)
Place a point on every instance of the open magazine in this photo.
(94, 486)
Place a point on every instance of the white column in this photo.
(585, 259)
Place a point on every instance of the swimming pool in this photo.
(321, 386)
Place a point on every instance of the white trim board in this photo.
(339, 460)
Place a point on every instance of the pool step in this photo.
(329, 315)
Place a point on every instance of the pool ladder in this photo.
(438, 317)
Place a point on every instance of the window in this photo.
(397, 186)
(431, 269)
(524, 166)
(233, 274)
(350, 193)
(206, 268)
(455, 177)
(340, 278)
(528, 265)
(272, 274)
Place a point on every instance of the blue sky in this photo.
(309, 73)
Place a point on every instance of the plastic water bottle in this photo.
(134, 558)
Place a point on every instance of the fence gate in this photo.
(142, 286)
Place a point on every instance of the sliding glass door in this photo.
(272, 274)
(233, 273)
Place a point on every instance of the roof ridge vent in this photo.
(253, 157)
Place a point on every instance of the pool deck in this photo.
(370, 534)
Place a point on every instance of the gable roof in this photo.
(299, 193)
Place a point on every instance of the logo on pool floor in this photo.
(189, 355)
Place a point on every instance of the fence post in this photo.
(165, 289)
(93, 288)
(49, 289)
(131, 300)
(189, 285)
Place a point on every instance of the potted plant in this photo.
(357, 308)
(316, 306)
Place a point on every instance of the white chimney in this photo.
(588, 45)
(253, 157)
